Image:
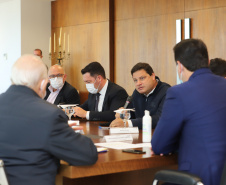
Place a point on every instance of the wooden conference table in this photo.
(114, 166)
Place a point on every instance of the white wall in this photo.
(10, 39)
(25, 26)
(36, 27)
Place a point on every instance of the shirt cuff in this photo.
(87, 115)
(130, 124)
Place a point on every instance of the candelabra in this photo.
(60, 56)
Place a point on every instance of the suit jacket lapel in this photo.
(106, 94)
(59, 96)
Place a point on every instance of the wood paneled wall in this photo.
(87, 23)
(143, 31)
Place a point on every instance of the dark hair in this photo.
(192, 53)
(38, 50)
(218, 66)
(144, 66)
(94, 68)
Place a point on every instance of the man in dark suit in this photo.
(149, 95)
(59, 91)
(34, 134)
(194, 114)
(104, 96)
(218, 66)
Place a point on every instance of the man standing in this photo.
(104, 96)
(194, 114)
(38, 52)
(34, 134)
(59, 91)
(149, 95)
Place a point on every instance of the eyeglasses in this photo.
(54, 76)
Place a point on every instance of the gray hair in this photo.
(28, 70)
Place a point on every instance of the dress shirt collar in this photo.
(152, 89)
(51, 89)
(104, 89)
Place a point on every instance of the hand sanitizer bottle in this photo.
(147, 128)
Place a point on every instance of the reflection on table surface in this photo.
(113, 161)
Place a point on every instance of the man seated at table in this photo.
(34, 134)
(194, 114)
(218, 66)
(59, 91)
(104, 96)
(149, 94)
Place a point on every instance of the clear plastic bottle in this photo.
(147, 127)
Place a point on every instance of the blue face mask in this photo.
(179, 81)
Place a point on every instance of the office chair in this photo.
(3, 178)
(182, 178)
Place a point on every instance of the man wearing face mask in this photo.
(193, 115)
(104, 96)
(59, 91)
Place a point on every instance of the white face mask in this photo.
(91, 89)
(56, 82)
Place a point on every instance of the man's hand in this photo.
(118, 122)
(117, 115)
(79, 112)
(153, 153)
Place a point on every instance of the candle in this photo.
(68, 43)
(50, 45)
(60, 36)
(54, 45)
(64, 41)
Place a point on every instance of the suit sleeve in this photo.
(167, 132)
(115, 101)
(85, 106)
(69, 146)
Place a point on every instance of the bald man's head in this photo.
(57, 76)
(30, 71)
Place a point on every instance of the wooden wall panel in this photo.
(87, 23)
(128, 9)
(203, 4)
(75, 12)
(209, 25)
(149, 40)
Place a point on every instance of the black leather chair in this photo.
(182, 178)
(176, 177)
(3, 178)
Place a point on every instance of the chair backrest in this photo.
(223, 177)
(3, 178)
(176, 177)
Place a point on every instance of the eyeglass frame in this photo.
(57, 75)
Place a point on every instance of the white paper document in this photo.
(122, 137)
(63, 106)
(122, 145)
(124, 130)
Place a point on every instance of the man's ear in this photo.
(43, 84)
(180, 66)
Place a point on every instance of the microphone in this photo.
(128, 100)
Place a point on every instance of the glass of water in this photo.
(125, 115)
(69, 111)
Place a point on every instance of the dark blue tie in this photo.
(97, 101)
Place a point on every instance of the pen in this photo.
(104, 128)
